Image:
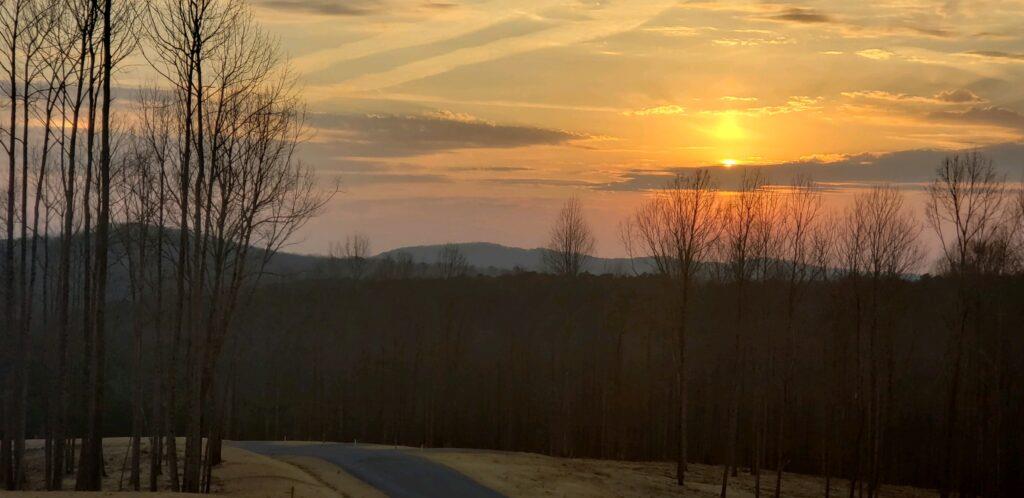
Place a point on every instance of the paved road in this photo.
(394, 472)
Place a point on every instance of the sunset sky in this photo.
(472, 120)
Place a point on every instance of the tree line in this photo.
(771, 334)
(181, 199)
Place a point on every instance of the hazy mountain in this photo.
(484, 256)
(490, 258)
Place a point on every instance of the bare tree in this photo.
(357, 246)
(240, 192)
(117, 41)
(745, 217)
(33, 69)
(78, 23)
(678, 229)
(1016, 230)
(12, 21)
(154, 136)
(800, 217)
(90, 474)
(878, 246)
(451, 262)
(966, 209)
(353, 255)
(572, 241)
(137, 188)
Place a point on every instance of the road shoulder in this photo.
(333, 477)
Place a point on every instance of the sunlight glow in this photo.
(728, 163)
(729, 129)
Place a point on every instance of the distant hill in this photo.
(488, 256)
(495, 259)
(483, 257)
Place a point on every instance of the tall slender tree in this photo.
(571, 241)
(678, 229)
(745, 216)
(966, 210)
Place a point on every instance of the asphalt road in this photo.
(396, 473)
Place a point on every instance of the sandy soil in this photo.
(523, 474)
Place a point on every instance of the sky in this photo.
(474, 120)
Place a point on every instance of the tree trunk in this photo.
(93, 473)
(681, 376)
(89, 466)
(137, 410)
(734, 401)
(7, 471)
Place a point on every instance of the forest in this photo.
(760, 329)
(188, 192)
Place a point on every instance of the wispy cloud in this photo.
(958, 96)
(730, 98)
(359, 179)
(876, 54)
(390, 60)
(996, 55)
(753, 38)
(325, 7)
(847, 19)
(801, 15)
(551, 182)
(798, 103)
(491, 169)
(461, 40)
(987, 116)
(906, 167)
(382, 135)
(677, 31)
(355, 8)
(663, 110)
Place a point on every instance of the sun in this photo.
(728, 163)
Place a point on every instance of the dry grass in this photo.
(246, 474)
(242, 474)
(114, 451)
(523, 474)
(334, 478)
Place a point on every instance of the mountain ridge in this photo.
(486, 255)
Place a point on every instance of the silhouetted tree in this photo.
(678, 230)
(571, 243)
(353, 256)
(967, 211)
(879, 246)
(451, 263)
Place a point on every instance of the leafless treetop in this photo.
(572, 242)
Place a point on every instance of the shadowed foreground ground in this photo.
(295, 471)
